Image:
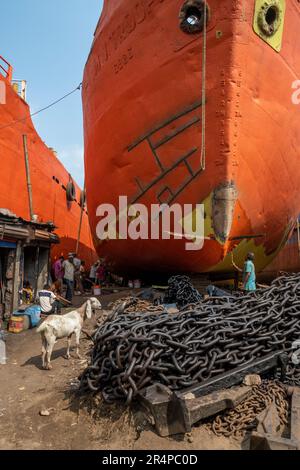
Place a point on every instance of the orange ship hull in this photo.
(143, 99)
(49, 178)
(288, 260)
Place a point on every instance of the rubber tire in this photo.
(83, 198)
(71, 191)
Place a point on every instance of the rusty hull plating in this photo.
(143, 122)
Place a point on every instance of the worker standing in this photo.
(59, 271)
(76, 261)
(249, 275)
(69, 272)
(93, 272)
(101, 273)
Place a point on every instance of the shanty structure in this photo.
(24, 258)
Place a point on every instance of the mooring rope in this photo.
(204, 59)
(54, 103)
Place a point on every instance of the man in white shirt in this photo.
(48, 301)
(76, 262)
(69, 273)
(93, 272)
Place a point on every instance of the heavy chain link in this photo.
(202, 341)
(182, 291)
(134, 305)
(243, 419)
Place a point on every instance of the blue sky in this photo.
(47, 43)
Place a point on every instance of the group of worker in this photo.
(64, 272)
(72, 273)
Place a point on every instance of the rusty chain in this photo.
(243, 419)
(134, 305)
(204, 340)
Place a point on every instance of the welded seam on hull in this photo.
(155, 155)
(184, 185)
(178, 131)
(167, 138)
(166, 172)
(165, 123)
(164, 190)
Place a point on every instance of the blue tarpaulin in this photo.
(33, 312)
(4, 244)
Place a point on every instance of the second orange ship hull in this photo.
(143, 97)
(49, 178)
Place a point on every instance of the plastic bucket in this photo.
(97, 290)
(2, 349)
(18, 324)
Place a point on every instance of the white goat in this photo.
(65, 326)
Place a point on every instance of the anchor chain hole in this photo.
(191, 16)
(270, 19)
(271, 15)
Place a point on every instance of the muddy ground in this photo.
(73, 424)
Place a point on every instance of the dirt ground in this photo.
(73, 424)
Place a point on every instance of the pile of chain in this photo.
(243, 419)
(134, 305)
(293, 375)
(202, 341)
(182, 291)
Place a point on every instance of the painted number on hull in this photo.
(123, 61)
